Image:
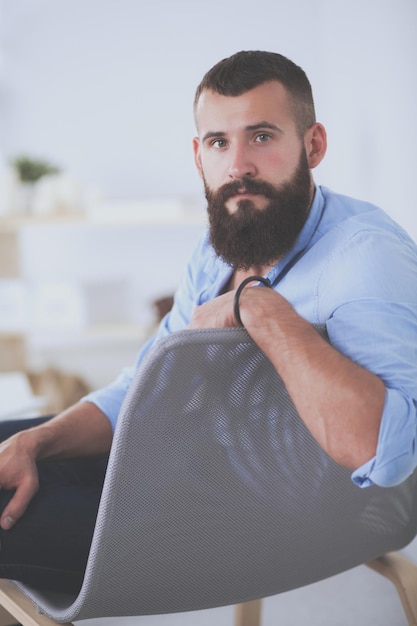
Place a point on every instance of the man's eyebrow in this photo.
(262, 125)
(252, 127)
(212, 134)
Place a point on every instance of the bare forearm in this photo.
(340, 402)
(80, 431)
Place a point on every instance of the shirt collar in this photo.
(303, 240)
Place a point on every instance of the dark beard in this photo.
(252, 237)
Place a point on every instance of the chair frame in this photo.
(393, 566)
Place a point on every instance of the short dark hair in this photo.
(247, 69)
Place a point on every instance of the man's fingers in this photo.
(18, 504)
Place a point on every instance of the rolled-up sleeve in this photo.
(377, 328)
(396, 451)
(109, 399)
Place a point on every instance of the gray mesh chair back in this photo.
(217, 494)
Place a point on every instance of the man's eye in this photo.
(263, 137)
(218, 143)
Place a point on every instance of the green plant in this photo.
(30, 170)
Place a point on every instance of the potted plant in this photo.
(29, 171)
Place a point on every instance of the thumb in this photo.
(18, 504)
(7, 521)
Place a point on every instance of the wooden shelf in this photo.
(137, 258)
(12, 352)
(9, 254)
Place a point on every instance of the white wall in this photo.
(105, 87)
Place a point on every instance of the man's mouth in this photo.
(244, 193)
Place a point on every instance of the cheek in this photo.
(213, 170)
(280, 165)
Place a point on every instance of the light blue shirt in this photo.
(353, 269)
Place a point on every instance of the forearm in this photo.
(340, 402)
(80, 431)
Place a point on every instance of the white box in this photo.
(13, 306)
(17, 398)
(57, 305)
(65, 305)
(106, 301)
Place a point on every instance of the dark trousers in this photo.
(48, 547)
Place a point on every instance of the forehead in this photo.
(268, 102)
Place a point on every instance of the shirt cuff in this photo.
(396, 455)
(109, 399)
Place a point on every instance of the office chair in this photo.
(217, 494)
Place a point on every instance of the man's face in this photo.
(256, 174)
(255, 238)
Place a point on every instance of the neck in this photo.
(239, 275)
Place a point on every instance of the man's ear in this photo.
(197, 156)
(315, 142)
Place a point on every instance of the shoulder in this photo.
(351, 223)
(365, 249)
(350, 214)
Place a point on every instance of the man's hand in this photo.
(217, 313)
(83, 430)
(257, 305)
(17, 471)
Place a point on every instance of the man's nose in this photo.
(241, 164)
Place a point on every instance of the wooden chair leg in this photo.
(403, 574)
(20, 609)
(6, 619)
(248, 613)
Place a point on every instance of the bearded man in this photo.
(325, 258)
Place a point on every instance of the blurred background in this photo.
(100, 204)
